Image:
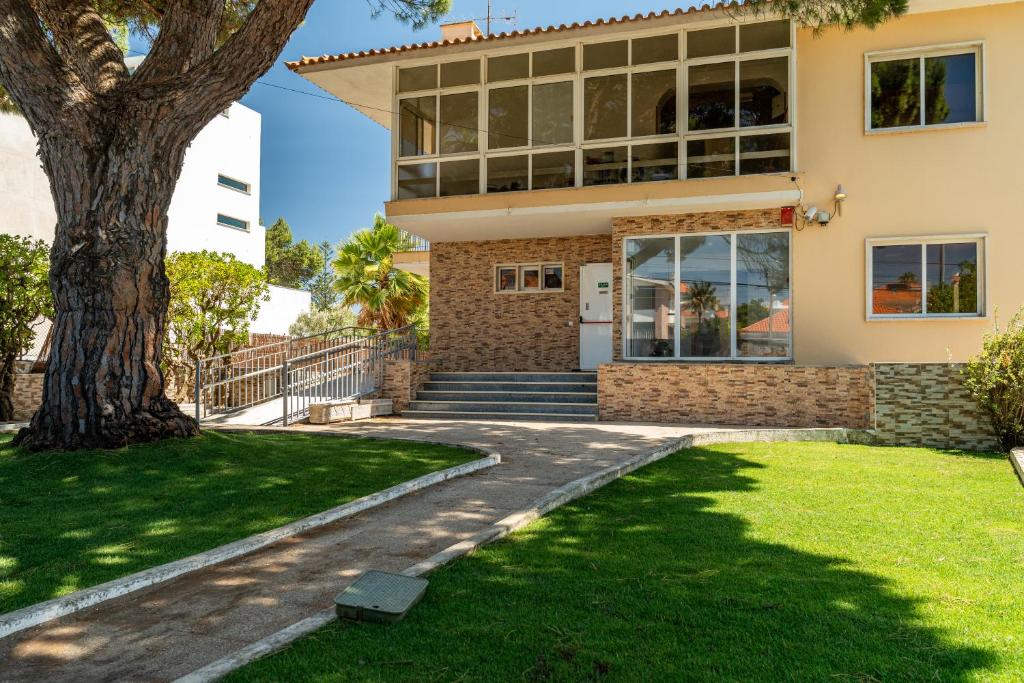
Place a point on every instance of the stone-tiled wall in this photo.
(28, 394)
(402, 379)
(925, 404)
(472, 327)
(736, 394)
(758, 219)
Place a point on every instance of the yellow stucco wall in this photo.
(928, 182)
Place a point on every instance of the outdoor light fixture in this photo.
(840, 197)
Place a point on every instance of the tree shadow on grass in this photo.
(73, 520)
(644, 580)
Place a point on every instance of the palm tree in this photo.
(703, 298)
(387, 298)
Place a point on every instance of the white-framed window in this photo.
(708, 296)
(233, 184)
(926, 277)
(510, 278)
(232, 222)
(656, 105)
(927, 87)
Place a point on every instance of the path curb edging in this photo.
(1017, 460)
(33, 615)
(517, 520)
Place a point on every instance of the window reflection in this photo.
(895, 93)
(950, 89)
(654, 103)
(705, 289)
(507, 174)
(552, 113)
(604, 107)
(418, 120)
(507, 117)
(952, 278)
(712, 96)
(762, 295)
(605, 166)
(764, 91)
(896, 279)
(650, 276)
(458, 123)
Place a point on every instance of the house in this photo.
(732, 218)
(216, 204)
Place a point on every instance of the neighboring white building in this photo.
(215, 207)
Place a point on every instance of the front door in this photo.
(595, 315)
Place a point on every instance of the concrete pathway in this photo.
(174, 628)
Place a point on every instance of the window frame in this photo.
(519, 268)
(733, 357)
(246, 191)
(577, 77)
(978, 47)
(220, 222)
(979, 238)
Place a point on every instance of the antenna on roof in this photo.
(512, 19)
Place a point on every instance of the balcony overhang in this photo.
(582, 211)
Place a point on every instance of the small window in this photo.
(655, 162)
(553, 170)
(924, 88)
(460, 177)
(417, 126)
(508, 67)
(417, 78)
(605, 55)
(656, 49)
(605, 166)
(508, 117)
(765, 35)
(925, 278)
(530, 277)
(552, 62)
(232, 184)
(508, 174)
(711, 42)
(231, 222)
(416, 181)
(460, 73)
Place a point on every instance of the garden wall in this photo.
(28, 394)
(925, 404)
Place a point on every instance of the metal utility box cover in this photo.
(380, 596)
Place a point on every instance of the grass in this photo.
(73, 520)
(742, 562)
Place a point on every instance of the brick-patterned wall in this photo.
(472, 327)
(402, 379)
(28, 394)
(925, 404)
(737, 394)
(758, 219)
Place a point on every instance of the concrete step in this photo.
(504, 408)
(505, 417)
(549, 377)
(519, 387)
(500, 396)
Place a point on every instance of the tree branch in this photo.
(227, 74)
(188, 35)
(36, 78)
(84, 39)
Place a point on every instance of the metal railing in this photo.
(415, 242)
(349, 371)
(244, 378)
(336, 365)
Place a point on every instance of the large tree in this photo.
(112, 145)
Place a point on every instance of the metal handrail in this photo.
(289, 341)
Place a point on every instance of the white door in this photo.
(595, 315)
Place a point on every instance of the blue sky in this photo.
(325, 167)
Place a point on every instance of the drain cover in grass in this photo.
(380, 596)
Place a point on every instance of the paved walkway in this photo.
(169, 630)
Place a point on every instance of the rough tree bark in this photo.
(7, 388)
(113, 147)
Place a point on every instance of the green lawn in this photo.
(73, 520)
(744, 562)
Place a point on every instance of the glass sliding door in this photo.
(720, 295)
(705, 274)
(650, 280)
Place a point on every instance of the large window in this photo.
(722, 295)
(919, 88)
(919, 278)
(682, 104)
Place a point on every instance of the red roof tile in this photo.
(326, 59)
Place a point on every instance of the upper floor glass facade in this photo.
(639, 108)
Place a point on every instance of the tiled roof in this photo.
(777, 323)
(540, 30)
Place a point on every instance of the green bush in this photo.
(995, 378)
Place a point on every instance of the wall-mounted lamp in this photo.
(840, 197)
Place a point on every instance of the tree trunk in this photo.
(104, 386)
(7, 388)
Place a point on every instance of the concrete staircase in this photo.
(546, 396)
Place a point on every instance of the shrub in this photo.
(995, 379)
